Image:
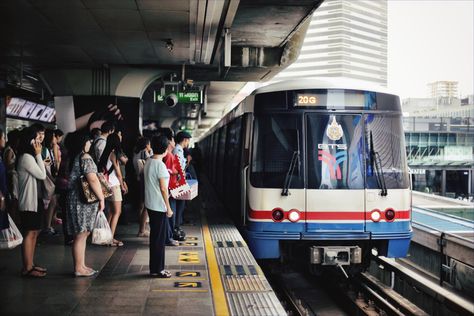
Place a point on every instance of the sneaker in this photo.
(49, 232)
(162, 275)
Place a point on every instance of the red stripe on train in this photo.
(317, 215)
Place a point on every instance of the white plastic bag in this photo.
(10, 237)
(101, 234)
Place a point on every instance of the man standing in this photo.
(99, 144)
(182, 141)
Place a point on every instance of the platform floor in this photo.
(213, 274)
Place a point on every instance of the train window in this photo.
(334, 150)
(276, 138)
(385, 150)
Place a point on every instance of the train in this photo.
(314, 169)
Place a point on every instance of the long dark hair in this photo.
(14, 139)
(142, 142)
(74, 143)
(27, 135)
(113, 143)
(48, 138)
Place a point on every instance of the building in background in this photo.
(345, 39)
(439, 137)
(443, 89)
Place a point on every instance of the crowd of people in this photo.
(41, 174)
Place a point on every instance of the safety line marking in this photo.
(220, 303)
(183, 290)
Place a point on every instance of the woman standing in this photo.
(141, 153)
(3, 175)
(9, 158)
(109, 164)
(158, 207)
(30, 170)
(49, 186)
(81, 216)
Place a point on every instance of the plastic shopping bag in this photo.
(101, 234)
(10, 237)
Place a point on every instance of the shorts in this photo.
(32, 220)
(116, 194)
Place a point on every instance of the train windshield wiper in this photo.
(295, 159)
(377, 162)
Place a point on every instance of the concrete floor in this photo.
(123, 286)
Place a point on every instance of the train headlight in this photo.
(278, 215)
(375, 215)
(294, 216)
(389, 215)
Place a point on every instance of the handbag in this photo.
(48, 186)
(88, 194)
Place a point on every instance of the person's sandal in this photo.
(40, 269)
(33, 273)
(115, 243)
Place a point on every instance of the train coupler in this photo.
(333, 255)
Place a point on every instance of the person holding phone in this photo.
(30, 169)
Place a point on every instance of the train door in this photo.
(335, 196)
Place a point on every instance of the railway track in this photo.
(364, 294)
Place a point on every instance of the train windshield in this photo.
(385, 152)
(277, 141)
(355, 152)
(340, 151)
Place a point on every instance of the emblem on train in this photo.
(334, 130)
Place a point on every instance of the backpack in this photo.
(93, 149)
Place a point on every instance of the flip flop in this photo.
(29, 274)
(115, 244)
(39, 269)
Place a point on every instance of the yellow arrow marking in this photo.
(188, 274)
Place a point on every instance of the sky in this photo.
(430, 41)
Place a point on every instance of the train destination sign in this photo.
(330, 98)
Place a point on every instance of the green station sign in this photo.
(183, 97)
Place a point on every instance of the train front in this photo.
(328, 176)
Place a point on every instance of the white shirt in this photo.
(30, 169)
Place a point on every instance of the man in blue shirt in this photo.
(182, 141)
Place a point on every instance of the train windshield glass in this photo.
(276, 139)
(335, 151)
(385, 152)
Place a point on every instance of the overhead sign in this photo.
(183, 97)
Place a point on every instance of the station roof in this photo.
(44, 35)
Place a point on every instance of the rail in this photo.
(447, 243)
(421, 284)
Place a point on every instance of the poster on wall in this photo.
(92, 111)
(24, 109)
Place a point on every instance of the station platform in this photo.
(213, 273)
